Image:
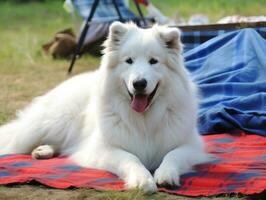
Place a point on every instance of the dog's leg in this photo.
(122, 163)
(178, 162)
(43, 152)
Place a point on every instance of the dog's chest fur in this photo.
(142, 136)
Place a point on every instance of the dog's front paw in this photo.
(43, 152)
(167, 176)
(143, 181)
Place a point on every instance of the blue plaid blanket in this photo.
(192, 39)
(231, 72)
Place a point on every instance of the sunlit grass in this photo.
(214, 9)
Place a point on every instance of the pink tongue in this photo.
(139, 103)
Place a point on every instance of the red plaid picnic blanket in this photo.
(239, 167)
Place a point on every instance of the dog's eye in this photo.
(129, 61)
(153, 61)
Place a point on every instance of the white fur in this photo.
(43, 152)
(89, 117)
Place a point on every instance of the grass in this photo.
(214, 9)
(25, 72)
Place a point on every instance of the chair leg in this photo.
(83, 35)
(118, 11)
(140, 13)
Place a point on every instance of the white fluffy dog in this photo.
(135, 114)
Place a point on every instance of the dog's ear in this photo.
(171, 38)
(117, 31)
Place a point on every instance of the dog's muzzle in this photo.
(141, 101)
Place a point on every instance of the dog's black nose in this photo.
(140, 85)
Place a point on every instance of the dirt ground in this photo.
(37, 192)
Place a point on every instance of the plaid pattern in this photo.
(192, 39)
(230, 71)
(105, 12)
(239, 167)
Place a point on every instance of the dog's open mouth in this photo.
(140, 102)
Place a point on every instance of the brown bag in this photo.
(63, 45)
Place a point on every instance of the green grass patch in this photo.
(214, 9)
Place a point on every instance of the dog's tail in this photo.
(24, 133)
(18, 136)
(7, 135)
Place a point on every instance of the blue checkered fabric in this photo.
(105, 12)
(192, 39)
(230, 71)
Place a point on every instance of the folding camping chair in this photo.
(89, 21)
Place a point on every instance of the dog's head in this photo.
(143, 60)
